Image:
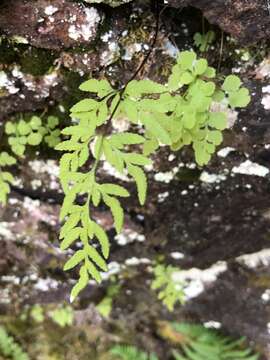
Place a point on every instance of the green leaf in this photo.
(141, 181)
(154, 127)
(35, 122)
(113, 189)
(218, 120)
(72, 235)
(34, 139)
(84, 105)
(102, 87)
(186, 59)
(126, 138)
(186, 78)
(136, 159)
(117, 211)
(81, 284)
(103, 240)
(70, 223)
(23, 128)
(131, 110)
(240, 98)
(95, 257)
(68, 145)
(83, 155)
(215, 137)
(96, 196)
(200, 66)
(231, 83)
(112, 157)
(52, 122)
(137, 88)
(93, 272)
(74, 260)
(10, 128)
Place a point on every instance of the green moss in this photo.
(35, 61)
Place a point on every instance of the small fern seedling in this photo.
(203, 41)
(9, 348)
(175, 114)
(6, 178)
(171, 290)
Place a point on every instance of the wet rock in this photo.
(61, 25)
(248, 21)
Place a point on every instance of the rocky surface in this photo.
(248, 21)
(211, 222)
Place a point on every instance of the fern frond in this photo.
(125, 352)
(202, 343)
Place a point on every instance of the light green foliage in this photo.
(62, 316)
(6, 178)
(9, 348)
(171, 290)
(52, 134)
(23, 133)
(37, 313)
(200, 343)
(203, 41)
(124, 352)
(176, 114)
(105, 305)
(32, 133)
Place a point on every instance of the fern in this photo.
(176, 114)
(203, 41)
(125, 352)
(6, 178)
(170, 290)
(199, 343)
(32, 133)
(9, 348)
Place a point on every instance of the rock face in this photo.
(112, 3)
(61, 25)
(248, 21)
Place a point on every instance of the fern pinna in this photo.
(178, 113)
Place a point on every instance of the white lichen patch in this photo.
(212, 178)
(50, 10)
(7, 84)
(110, 55)
(266, 98)
(250, 168)
(167, 176)
(263, 70)
(87, 28)
(225, 151)
(177, 255)
(5, 230)
(255, 259)
(196, 280)
(128, 236)
(134, 261)
(212, 324)
(131, 50)
(266, 296)
(113, 268)
(46, 284)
